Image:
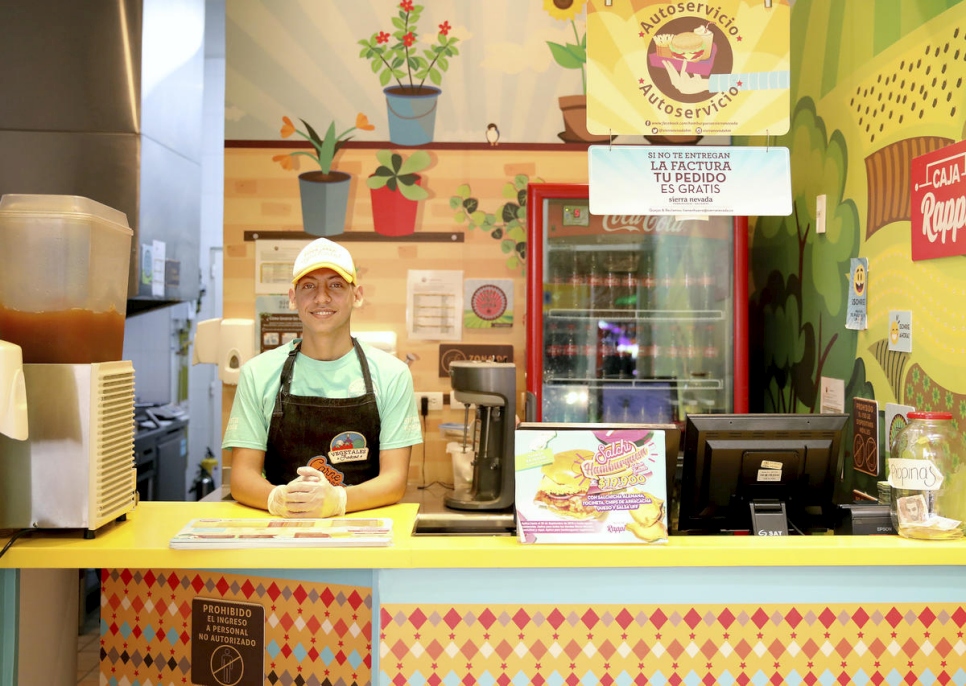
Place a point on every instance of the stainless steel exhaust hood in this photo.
(103, 99)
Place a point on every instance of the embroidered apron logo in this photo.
(348, 446)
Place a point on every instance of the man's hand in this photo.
(310, 495)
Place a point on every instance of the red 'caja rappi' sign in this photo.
(938, 202)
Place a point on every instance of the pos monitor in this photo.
(763, 473)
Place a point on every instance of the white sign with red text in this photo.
(938, 203)
(697, 179)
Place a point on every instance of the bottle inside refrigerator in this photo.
(633, 319)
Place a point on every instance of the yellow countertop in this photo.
(142, 542)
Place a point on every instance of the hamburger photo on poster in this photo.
(587, 486)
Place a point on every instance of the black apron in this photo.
(337, 436)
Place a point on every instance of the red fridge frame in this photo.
(536, 194)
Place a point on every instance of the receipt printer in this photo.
(864, 519)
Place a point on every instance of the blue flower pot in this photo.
(412, 116)
(325, 198)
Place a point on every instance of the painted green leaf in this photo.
(414, 192)
(478, 217)
(509, 192)
(391, 183)
(327, 151)
(435, 76)
(471, 204)
(517, 233)
(376, 66)
(376, 182)
(455, 202)
(384, 157)
(384, 77)
(460, 217)
(416, 162)
(509, 212)
(563, 56)
(399, 23)
(396, 162)
(463, 190)
(407, 179)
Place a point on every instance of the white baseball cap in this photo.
(323, 253)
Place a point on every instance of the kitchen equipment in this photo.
(491, 386)
(228, 343)
(63, 296)
(63, 286)
(13, 393)
(632, 319)
(76, 469)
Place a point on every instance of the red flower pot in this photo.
(393, 214)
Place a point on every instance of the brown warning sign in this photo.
(227, 643)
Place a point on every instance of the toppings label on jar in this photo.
(914, 475)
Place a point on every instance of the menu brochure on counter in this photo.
(224, 534)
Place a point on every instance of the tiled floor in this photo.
(88, 652)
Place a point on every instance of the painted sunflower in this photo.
(564, 10)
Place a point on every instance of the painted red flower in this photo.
(409, 39)
(445, 28)
(383, 37)
(406, 6)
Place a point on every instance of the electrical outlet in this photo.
(435, 400)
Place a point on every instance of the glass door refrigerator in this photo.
(633, 318)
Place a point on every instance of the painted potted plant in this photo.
(395, 190)
(324, 191)
(410, 103)
(572, 56)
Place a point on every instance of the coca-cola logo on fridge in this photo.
(938, 199)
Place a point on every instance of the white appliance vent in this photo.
(113, 472)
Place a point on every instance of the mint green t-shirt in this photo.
(259, 381)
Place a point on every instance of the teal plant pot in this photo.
(325, 199)
(412, 115)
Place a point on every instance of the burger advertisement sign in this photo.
(590, 485)
(684, 68)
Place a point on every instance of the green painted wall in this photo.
(874, 84)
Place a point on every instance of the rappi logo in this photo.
(938, 200)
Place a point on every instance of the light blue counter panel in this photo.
(672, 585)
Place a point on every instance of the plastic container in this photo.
(64, 262)
(928, 481)
(462, 468)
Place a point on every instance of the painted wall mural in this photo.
(500, 70)
(874, 84)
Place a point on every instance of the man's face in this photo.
(323, 300)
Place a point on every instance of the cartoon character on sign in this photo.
(682, 55)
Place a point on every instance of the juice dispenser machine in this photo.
(63, 300)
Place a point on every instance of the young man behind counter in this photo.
(322, 425)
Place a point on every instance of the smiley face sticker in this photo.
(858, 279)
(858, 292)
